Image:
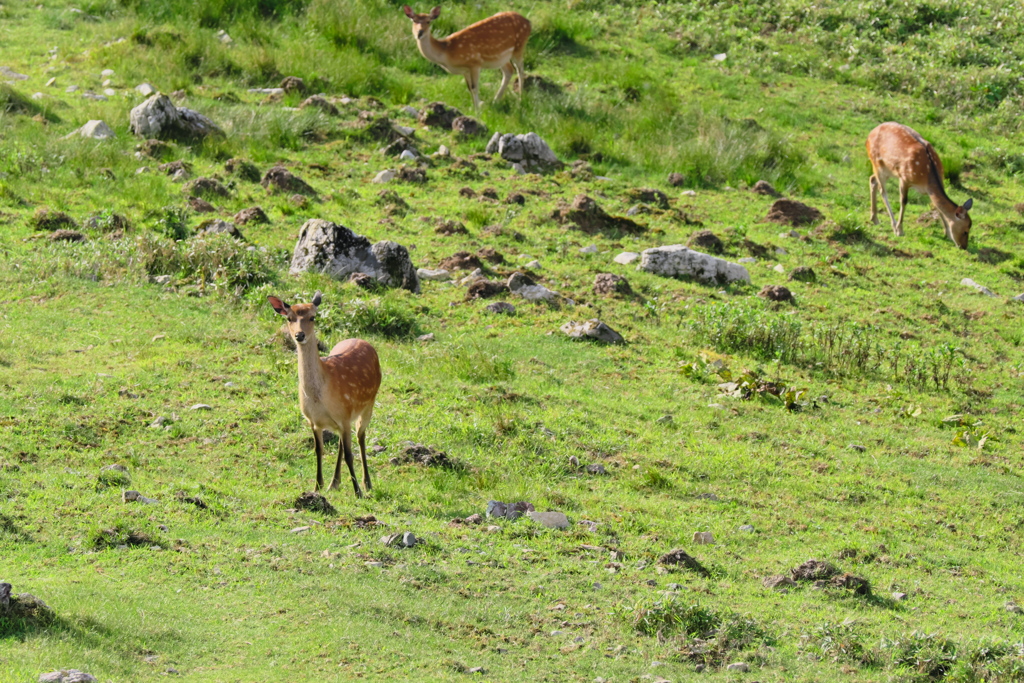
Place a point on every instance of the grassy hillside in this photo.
(894, 452)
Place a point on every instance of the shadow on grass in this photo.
(8, 527)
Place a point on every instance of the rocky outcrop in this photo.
(158, 118)
(679, 261)
(330, 248)
(527, 151)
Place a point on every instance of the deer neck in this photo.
(433, 49)
(311, 369)
(943, 204)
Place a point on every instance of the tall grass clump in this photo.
(745, 327)
(213, 13)
(382, 316)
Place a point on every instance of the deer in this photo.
(334, 391)
(898, 150)
(497, 42)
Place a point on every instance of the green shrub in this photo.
(669, 616)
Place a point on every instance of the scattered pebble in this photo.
(703, 538)
(899, 597)
(201, 406)
(748, 528)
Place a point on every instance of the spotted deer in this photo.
(497, 42)
(334, 391)
(898, 150)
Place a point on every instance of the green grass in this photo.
(896, 456)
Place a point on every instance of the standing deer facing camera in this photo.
(897, 150)
(333, 391)
(497, 42)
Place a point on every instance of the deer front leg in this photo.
(904, 191)
(345, 450)
(318, 444)
(873, 185)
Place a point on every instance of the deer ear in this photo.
(317, 297)
(279, 306)
(435, 13)
(968, 204)
(408, 11)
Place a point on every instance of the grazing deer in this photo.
(897, 150)
(497, 42)
(335, 390)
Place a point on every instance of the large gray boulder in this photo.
(529, 151)
(327, 247)
(158, 118)
(678, 261)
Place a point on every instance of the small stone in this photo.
(409, 539)
(703, 538)
(858, 447)
(899, 597)
(201, 406)
(443, 151)
(664, 420)
(300, 530)
(626, 258)
(384, 176)
(551, 520)
(71, 88)
(968, 282)
(407, 154)
(501, 307)
(748, 528)
(374, 564)
(109, 92)
(589, 249)
(145, 89)
(533, 265)
(721, 57)
(429, 337)
(596, 468)
(747, 259)
(779, 268)
(557, 633)
(438, 274)
(778, 581)
(67, 676)
(1013, 608)
(742, 667)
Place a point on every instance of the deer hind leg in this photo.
(888, 206)
(318, 445)
(364, 422)
(345, 450)
(507, 72)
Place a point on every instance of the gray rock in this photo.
(551, 520)
(592, 329)
(136, 497)
(95, 129)
(860, 448)
(703, 538)
(679, 261)
(517, 281)
(501, 307)
(385, 176)
(968, 282)
(536, 293)
(71, 89)
(218, 227)
(407, 155)
(67, 676)
(664, 420)
(1019, 297)
(409, 539)
(158, 118)
(8, 72)
(333, 249)
(627, 257)
(201, 406)
(5, 597)
(596, 468)
(1013, 608)
(439, 274)
(589, 249)
(742, 667)
(748, 528)
(899, 597)
(529, 151)
(145, 89)
(747, 259)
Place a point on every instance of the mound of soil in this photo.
(792, 212)
(585, 214)
(281, 179)
(610, 283)
(776, 293)
(679, 557)
(706, 241)
(314, 502)
(461, 260)
(427, 456)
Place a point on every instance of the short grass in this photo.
(900, 461)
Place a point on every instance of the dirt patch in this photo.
(648, 195)
(765, 188)
(206, 187)
(707, 242)
(243, 169)
(490, 255)
(585, 214)
(182, 497)
(314, 502)
(438, 114)
(253, 214)
(792, 212)
(485, 289)
(676, 179)
(680, 558)
(281, 179)
(803, 274)
(857, 584)
(449, 228)
(50, 220)
(428, 456)
(610, 283)
(411, 174)
(66, 236)
(461, 260)
(813, 570)
(776, 293)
